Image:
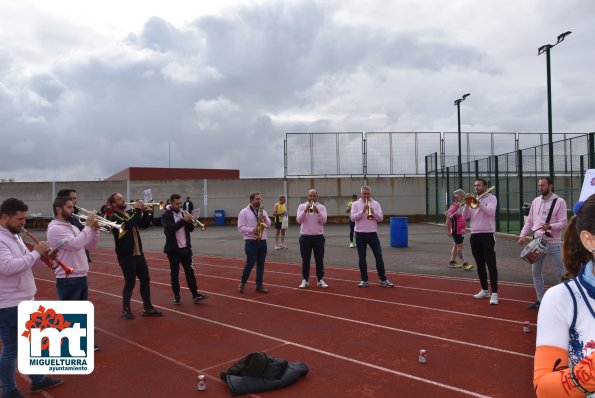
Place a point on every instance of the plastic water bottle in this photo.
(422, 356)
(202, 382)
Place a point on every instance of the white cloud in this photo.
(152, 75)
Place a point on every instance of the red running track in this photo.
(356, 342)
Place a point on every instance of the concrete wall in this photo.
(403, 196)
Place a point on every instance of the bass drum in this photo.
(535, 249)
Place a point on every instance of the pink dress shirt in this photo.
(360, 217)
(247, 222)
(311, 224)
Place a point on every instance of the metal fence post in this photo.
(591, 141)
(436, 189)
(520, 183)
(497, 185)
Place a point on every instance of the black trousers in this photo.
(133, 267)
(184, 257)
(309, 244)
(483, 249)
(362, 240)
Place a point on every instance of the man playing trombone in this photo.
(367, 213)
(177, 225)
(129, 250)
(481, 209)
(16, 284)
(312, 217)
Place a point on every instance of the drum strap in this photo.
(549, 215)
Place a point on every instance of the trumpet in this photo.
(51, 260)
(148, 204)
(311, 207)
(473, 201)
(105, 225)
(195, 221)
(370, 215)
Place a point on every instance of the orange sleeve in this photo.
(551, 375)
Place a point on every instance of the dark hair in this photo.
(549, 180)
(110, 199)
(60, 201)
(484, 182)
(65, 192)
(253, 195)
(11, 206)
(174, 196)
(575, 255)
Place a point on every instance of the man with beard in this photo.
(16, 284)
(177, 227)
(73, 195)
(73, 243)
(483, 239)
(547, 219)
(129, 250)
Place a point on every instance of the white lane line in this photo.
(349, 320)
(513, 321)
(283, 341)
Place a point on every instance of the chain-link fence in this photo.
(394, 153)
(515, 176)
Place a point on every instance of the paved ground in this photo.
(427, 252)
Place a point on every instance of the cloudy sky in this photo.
(90, 88)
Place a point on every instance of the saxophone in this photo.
(261, 225)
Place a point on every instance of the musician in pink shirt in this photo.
(312, 216)
(367, 213)
(253, 221)
(547, 219)
(483, 241)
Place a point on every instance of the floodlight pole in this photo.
(546, 49)
(459, 162)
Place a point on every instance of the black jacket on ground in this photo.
(170, 227)
(258, 372)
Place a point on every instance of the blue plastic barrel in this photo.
(219, 217)
(398, 232)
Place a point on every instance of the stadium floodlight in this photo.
(460, 166)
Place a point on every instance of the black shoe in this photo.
(241, 287)
(96, 347)
(535, 305)
(177, 300)
(151, 312)
(261, 289)
(46, 383)
(126, 314)
(200, 297)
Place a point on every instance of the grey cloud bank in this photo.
(221, 91)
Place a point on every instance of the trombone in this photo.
(195, 221)
(473, 201)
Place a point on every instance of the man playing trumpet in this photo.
(74, 243)
(367, 213)
(312, 217)
(129, 250)
(177, 226)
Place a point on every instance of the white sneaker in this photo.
(283, 246)
(494, 298)
(277, 247)
(304, 284)
(483, 294)
(321, 283)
